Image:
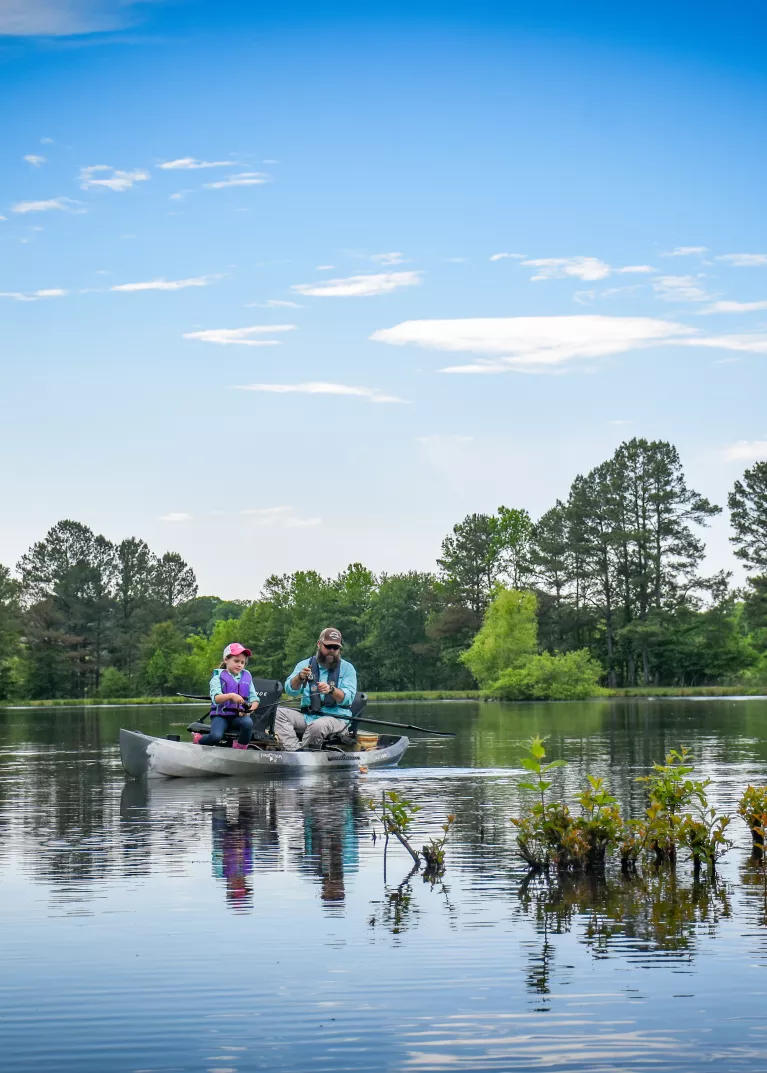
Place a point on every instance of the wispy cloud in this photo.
(243, 178)
(686, 251)
(165, 284)
(504, 256)
(241, 336)
(110, 178)
(745, 451)
(274, 303)
(324, 268)
(747, 343)
(735, 307)
(388, 258)
(372, 394)
(360, 286)
(63, 204)
(176, 516)
(744, 260)
(681, 289)
(437, 438)
(34, 160)
(585, 268)
(189, 163)
(32, 296)
(533, 343)
(52, 18)
(284, 517)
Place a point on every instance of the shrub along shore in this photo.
(414, 695)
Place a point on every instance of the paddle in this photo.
(361, 719)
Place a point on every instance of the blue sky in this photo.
(288, 292)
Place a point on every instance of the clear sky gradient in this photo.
(562, 205)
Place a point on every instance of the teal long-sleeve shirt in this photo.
(347, 680)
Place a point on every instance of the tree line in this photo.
(613, 573)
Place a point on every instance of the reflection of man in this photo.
(326, 685)
(331, 838)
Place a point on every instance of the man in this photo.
(326, 685)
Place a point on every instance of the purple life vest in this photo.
(230, 685)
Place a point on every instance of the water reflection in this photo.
(659, 911)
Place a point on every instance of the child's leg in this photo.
(216, 733)
(244, 724)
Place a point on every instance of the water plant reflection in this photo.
(652, 912)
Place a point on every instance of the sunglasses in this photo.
(331, 648)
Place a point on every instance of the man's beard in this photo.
(329, 660)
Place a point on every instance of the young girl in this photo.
(231, 688)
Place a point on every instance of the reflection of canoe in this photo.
(143, 755)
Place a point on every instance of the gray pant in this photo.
(289, 724)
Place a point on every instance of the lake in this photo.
(224, 927)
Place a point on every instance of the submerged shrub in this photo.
(571, 676)
(753, 808)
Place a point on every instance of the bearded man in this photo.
(326, 685)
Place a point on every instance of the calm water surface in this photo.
(224, 927)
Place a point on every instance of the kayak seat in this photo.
(269, 692)
(346, 737)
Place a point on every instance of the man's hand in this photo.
(325, 687)
(304, 674)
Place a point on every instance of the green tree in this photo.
(161, 650)
(174, 582)
(399, 654)
(512, 532)
(748, 516)
(471, 561)
(508, 636)
(10, 629)
(135, 606)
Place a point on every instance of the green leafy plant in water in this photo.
(753, 808)
(670, 792)
(396, 814)
(537, 829)
(434, 851)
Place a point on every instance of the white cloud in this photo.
(56, 18)
(752, 344)
(373, 394)
(280, 303)
(244, 178)
(63, 203)
(439, 438)
(530, 343)
(5, 218)
(388, 258)
(280, 516)
(176, 516)
(32, 296)
(241, 336)
(744, 260)
(324, 268)
(35, 161)
(635, 268)
(190, 164)
(746, 451)
(165, 284)
(588, 268)
(115, 179)
(735, 307)
(503, 256)
(686, 251)
(680, 289)
(360, 286)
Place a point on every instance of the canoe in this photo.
(144, 756)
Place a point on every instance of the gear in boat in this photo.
(269, 693)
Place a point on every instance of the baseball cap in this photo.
(331, 636)
(235, 649)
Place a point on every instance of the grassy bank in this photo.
(418, 695)
(445, 694)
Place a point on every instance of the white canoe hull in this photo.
(144, 756)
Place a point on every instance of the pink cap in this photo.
(235, 649)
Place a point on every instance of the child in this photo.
(231, 687)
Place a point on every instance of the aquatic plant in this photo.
(396, 815)
(434, 850)
(753, 808)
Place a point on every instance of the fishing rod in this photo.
(360, 719)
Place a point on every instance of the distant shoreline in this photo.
(409, 695)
